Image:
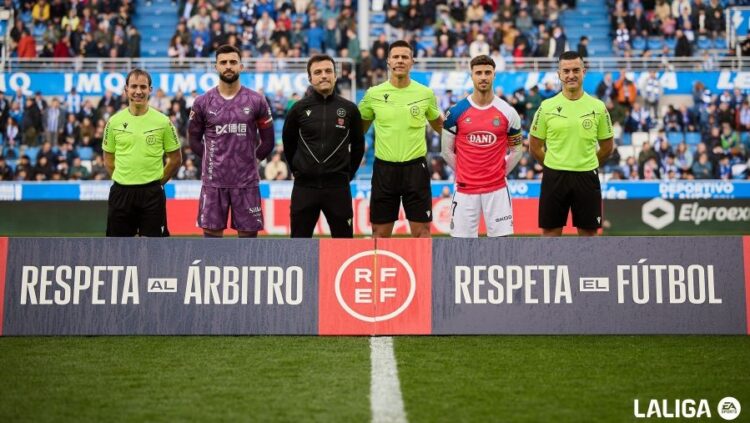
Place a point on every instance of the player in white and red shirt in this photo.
(482, 142)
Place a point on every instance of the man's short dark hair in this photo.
(227, 48)
(134, 72)
(400, 43)
(569, 55)
(320, 58)
(482, 59)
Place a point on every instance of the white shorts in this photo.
(467, 209)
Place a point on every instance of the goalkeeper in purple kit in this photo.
(231, 127)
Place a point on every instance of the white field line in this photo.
(385, 390)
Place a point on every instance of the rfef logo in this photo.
(372, 293)
(375, 287)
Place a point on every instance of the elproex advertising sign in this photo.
(588, 286)
(160, 287)
(677, 217)
(375, 286)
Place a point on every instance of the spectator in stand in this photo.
(652, 91)
(606, 89)
(639, 119)
(702, 168)
(683, 48)
(627, 93)
(78, 171)
(6, 172)
(31, 123)
(43, 169)
(26, 45)
(583, 46)
(276, 169)
(73, 101)
(53, 121)
(40, 13)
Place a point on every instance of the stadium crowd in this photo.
(60, 138)
(69, 28)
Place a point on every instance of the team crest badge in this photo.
(246, 110)
(340, 113)
(151, 140)
(496, 122)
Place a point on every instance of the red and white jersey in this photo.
(480, 137)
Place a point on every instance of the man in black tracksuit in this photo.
(324, 145)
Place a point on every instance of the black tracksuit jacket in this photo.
(323, 140)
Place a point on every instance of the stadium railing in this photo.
(299, 65)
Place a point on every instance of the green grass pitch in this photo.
(327, 379)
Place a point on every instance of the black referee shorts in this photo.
(137, 210)
(578, 192)
(335, 203)
(393, 183)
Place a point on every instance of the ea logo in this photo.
(729, 408)
(375, 285)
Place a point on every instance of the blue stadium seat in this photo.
(32, 152)
(6, 149)
(639, 43)
(693, 138)
(278, 125)
(86, 153)
(377, 18)
(425, 44)
(674, 138)
(26, 17)
(12, 164)
(720, 43)
(655, 43)
(670, 42)
(38, 30)
(704, 43)
(627, 138)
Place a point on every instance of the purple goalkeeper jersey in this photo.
(229, 130)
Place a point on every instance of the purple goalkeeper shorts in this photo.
(214, 205)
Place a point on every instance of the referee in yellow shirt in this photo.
(135, 142)
(400, 108)
(577, 132)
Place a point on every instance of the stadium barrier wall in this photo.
(677, 217)
(618, 285)
(80, 208)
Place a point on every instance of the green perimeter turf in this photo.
(170, 379)
(566, 378)
(443, 379)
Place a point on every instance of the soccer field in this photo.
(449, 378)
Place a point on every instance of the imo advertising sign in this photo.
(375, 286)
